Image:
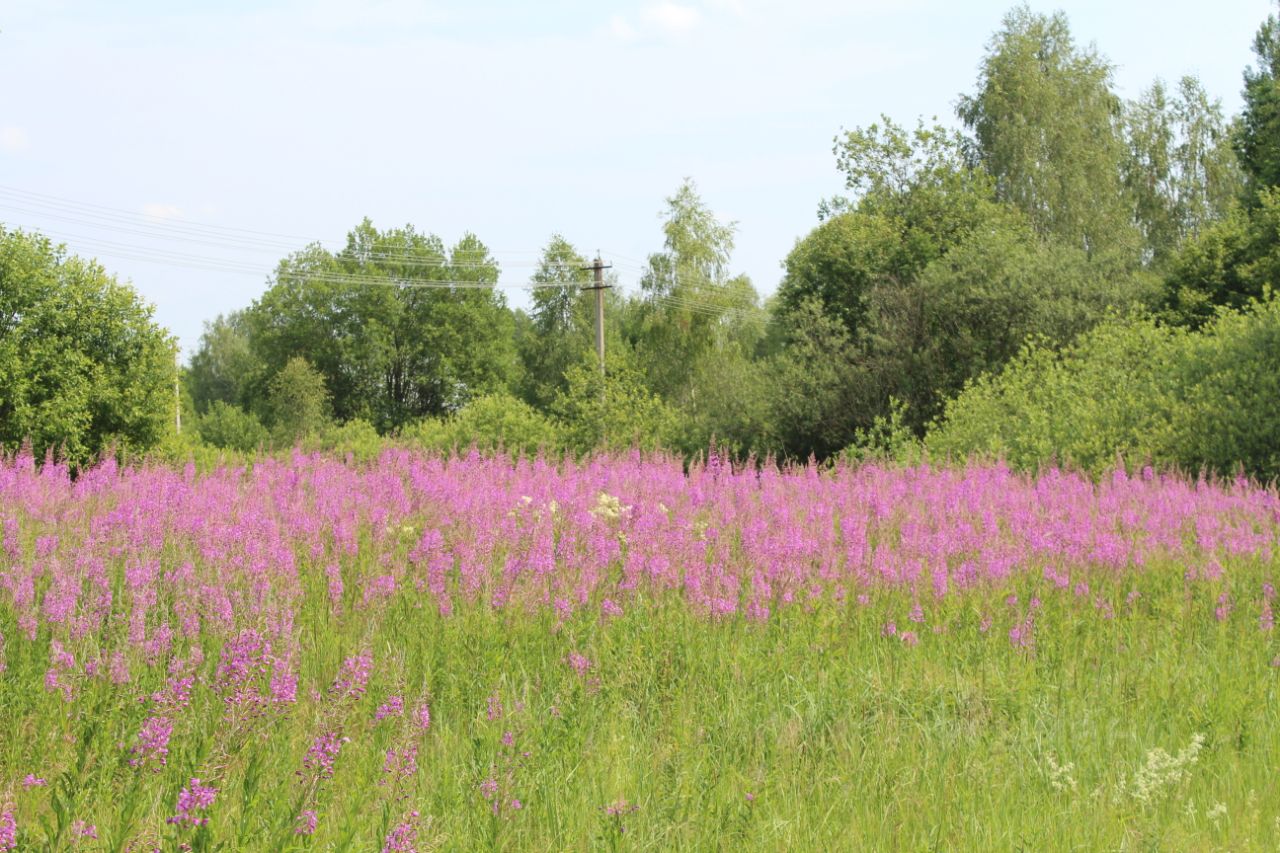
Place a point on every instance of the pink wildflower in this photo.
(403, 837)
(193, 802)
(422, 716)
(393, 707)
(307, 821)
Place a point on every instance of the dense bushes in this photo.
(1135, 388)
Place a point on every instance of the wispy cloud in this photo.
(14, 139)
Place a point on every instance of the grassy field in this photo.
(422, 654)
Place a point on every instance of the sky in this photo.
(190, 146)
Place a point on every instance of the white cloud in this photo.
(13, 139)
(157, 210)
(672, 18)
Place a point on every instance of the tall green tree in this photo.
(1047, 127)
(83, 364)
(399, 326)
(1258, 139)
(1181, 170)
(690, 303)
(298, 402)
(223, 365)
(561, 331)
(914, 196)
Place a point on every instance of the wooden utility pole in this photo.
(598, 267)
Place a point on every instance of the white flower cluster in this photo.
(609, 507)
(1162, 771)
(1061, 776)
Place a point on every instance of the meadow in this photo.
(469, 653)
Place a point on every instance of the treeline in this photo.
(1069, 277)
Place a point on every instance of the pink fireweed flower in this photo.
(393, 707)
(403, 837)
(284, 685)
(153, 743)
(508, 739)
(193, 802)
(307, 821)
(493, 709)
(909, 638)
(422, 717)
(610, 608)
(33, 781)
(890, 629)
(622, 807)
(8, 830)
(81, 829)
(323, 753)
(917, 613)
(400, 764)
(1223, 610)
(579, 663)
(352, 679)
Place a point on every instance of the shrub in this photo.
(488, 422)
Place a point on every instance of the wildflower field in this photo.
(474, 653)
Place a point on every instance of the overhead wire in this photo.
(244, 240)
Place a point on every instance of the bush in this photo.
(617, 412)
(1132, 387)
(298, 401)
(231, 427)
(489, 422)
(356, 438)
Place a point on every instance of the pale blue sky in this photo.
(511, 120)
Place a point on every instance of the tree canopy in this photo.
(83, 365)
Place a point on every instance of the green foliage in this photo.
(297, 402)
(223, 365)
(818, 390)
(972, 309)
(1136, 389)
(1260, 123)
(83, 366)
(386, 326)
(1230, 384)
(230, 427)
(690, 303)
(1229, 264)
(1047, 128)
(1112, 392)
(355, 438)
(727, 406)
(889, 439)
(489, 422)
(562, 327)
(1181, 170)
(614, 413)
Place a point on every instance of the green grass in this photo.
(846, 739)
